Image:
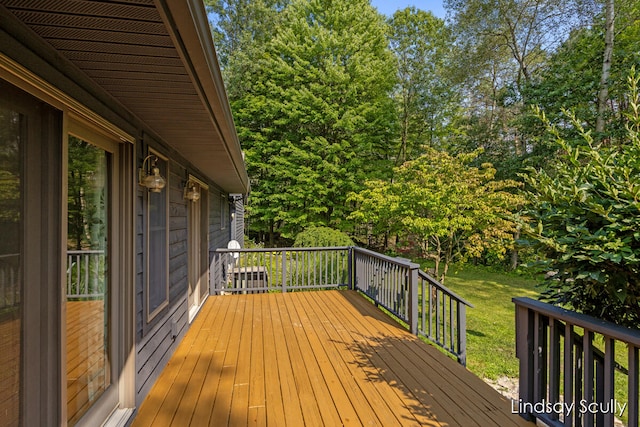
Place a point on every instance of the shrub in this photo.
(584, 217)
(321, 237)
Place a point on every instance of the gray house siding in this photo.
(155, 340)
(238, 217)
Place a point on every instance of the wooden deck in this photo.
(313, 358)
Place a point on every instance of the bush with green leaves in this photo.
(321, 237)
(584, 217)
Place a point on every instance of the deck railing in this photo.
(9, 280)
(558, 351)
(282, 269)
(428, 307)
(85, 274)
(395, 284)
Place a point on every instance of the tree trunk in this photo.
(603, 95)
(272, 236)
(514, 252)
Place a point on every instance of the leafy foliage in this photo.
(316, 121)
(454, 210)
(87, 223)
(570, 79)
(321, 237)
(585, 218)
(426, 100)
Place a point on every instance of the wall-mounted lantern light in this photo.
(191, 191)
(153, 181)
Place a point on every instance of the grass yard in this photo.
(491, 324)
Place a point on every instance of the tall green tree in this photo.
(427, 101)
(317, 119)
(241, 29)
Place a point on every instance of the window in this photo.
(158, 244)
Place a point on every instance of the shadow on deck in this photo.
(313, 358)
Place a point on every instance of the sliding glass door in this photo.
(88, 329)
(13, 134)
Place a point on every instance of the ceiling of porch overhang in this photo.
(154, 58)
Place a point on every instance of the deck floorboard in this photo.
(325, 358)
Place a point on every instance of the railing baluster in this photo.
(632, 388)
(588, 372)
(579, 384)
(554, 363)
(430, 311)
(451, 325)
(568, 369)
(437, 316)
(69, 272)
(538, 362)
(609, 371)
(423, 291)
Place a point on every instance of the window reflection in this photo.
(12, 135)
(88, 367)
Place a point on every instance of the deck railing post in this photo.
(284, 271)
(525, 354)
(413, 298)
(462, 333)
(350, 268)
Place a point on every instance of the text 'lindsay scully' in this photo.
(561, 408)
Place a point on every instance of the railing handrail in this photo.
(444, 289)
(9, 255)
(83, 251)
(288, 249)
(393, 260)
(603, 327)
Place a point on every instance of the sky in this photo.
(388, 7)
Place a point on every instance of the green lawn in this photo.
(491, 324)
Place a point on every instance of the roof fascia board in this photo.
(188, 26)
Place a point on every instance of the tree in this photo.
(603, 94)
(87, 225)
(240, 24)
(317, 118)
(571, 81)
(503, 45)
(426, 99)
(241, 29)
(584, 217)
(11, 177)
(455, 211)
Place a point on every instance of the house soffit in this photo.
(134, 51)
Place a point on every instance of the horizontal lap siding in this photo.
(154, 341)
(218, 237)
(239, 219)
